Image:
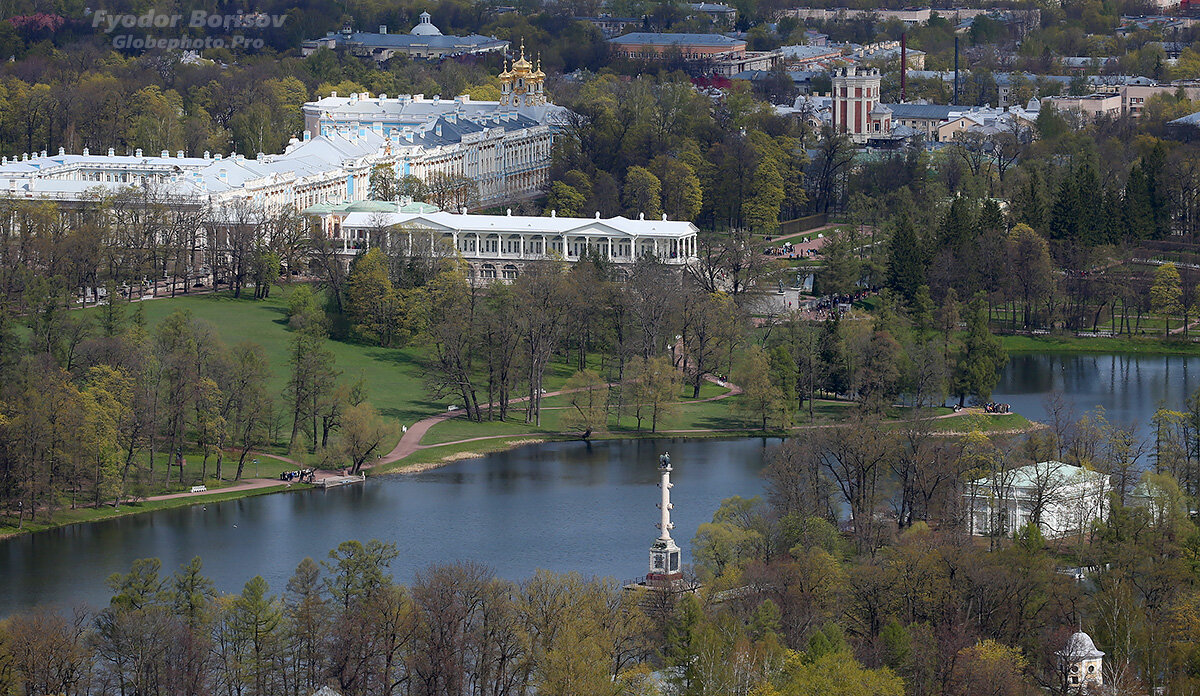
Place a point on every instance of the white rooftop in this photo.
(460, 222)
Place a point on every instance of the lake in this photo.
(562, 506)
(1130, 388)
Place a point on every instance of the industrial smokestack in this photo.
(904, 67)
(955, 102)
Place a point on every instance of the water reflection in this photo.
(1129, 388)
(563, 506)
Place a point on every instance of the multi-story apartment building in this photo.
(719, 54)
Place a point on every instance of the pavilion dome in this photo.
(1080, 647)
(425, 27)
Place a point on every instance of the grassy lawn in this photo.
(985, 422)
(1149, 326)
(720, 416)
(1116, 344)
(393, 376)
(105, 512)
(267, 467)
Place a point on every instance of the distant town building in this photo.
(646, 45)
(719, 54)
(804, 56)
(424, 40)
(879, 54)
(801, 79)
(911, 16)
(1185, 128)
(1065, 499)
(1088, 107)
(720, 14)
(610, 26)
(1134, 96)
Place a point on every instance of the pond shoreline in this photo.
(1147, 347)
(416, 463)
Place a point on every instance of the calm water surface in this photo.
(1130, 388)
(561, 506)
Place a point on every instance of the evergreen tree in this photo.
(906, 261)
(958, 226)
(1030, 204)
(981, 357)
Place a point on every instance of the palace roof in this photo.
(517, 224)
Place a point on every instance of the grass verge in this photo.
(1117, 344)
(64, 518)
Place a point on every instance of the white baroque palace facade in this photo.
(499, 246)
(503, 146)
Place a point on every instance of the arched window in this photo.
(510, 272)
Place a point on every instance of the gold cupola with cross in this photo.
(523, 84)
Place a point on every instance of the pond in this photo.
(561, 506)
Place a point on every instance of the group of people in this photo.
(990, 407)
(301, 475)
(789, 250)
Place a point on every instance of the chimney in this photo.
(86, 152)
(955, 102)
(165, 154)
(382, 28)
(509, 212)
(553, 213)
(333, 94)
(307, 135)
(62, 151)
(222, 174)
(111, 152)
(179, 154)
(207, 155)
(136, 153)
(641, 216)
